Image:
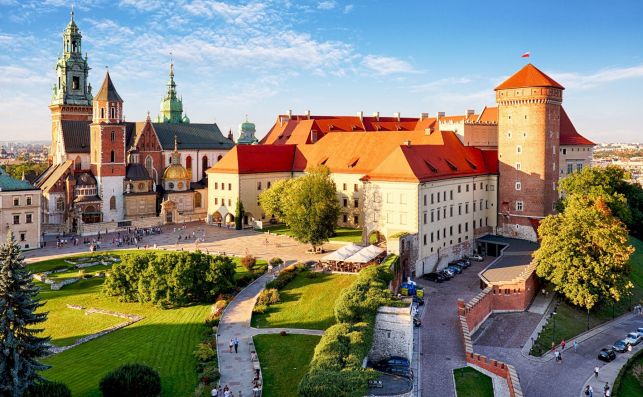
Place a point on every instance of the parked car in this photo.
(457, 265)
(640, 331)
(393, 361)
(620, 346)
(633, 338)
(455, 269)
(400, 371)
(606, 354)
(448, 273)
(416, 321)
(417, 300)
(465, 262)
(476, 257)
(435, 277)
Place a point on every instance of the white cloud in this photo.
(348, 8)
(107, 25)
(584, 81)
(142, 5)
(439, 84)
(326, 5)
(383, 65)
(237, 14)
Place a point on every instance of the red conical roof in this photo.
(107, 91)
(529, 76)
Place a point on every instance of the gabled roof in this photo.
(191, 136)
(489, 115)
(52, 175)
(251, 159)
(568, 133)
(529, 76)
(76, 135)
(107, 91)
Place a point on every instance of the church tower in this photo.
(107, 149)
(171, 105)
(529, 108)
(71, 97)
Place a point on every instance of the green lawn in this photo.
(342, 234)
(284, 362)
(571, 321)
(471, 383)
(305, 302)
(629, 385)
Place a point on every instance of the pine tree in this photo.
(20, 347)
(238, 215)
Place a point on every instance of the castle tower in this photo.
(529, 107)
(247, 132)
(107, 149)
(171, 105)
(71, 97)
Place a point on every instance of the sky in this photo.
(262, 58)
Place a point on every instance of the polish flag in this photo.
(525, 55)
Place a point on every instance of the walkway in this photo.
(609, 372)
(237, 370)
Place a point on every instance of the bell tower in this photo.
(71, 96)
(172, 105)
(529, 108)
(107, 149)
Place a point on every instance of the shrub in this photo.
(286, 275)
(48, 389)
(637, 372)
(350, 383)
(204, 352)
(212, 320)
(283, 333)
(268, 297)
(131, 380)
(248, 262)
(244, 280)
(209, 374)
(276, 261)
(260, 309)
(218, 306)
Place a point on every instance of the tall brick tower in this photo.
(71, 97)
(107, 149)
(529, 107)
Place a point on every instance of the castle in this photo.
(107, 172)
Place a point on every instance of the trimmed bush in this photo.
(348, 383)
(276, 261)
(131, 380)
(48, 389)
(286, 275)
(248, 262)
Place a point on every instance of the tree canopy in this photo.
(624, 199)
(584, 251)
(308, 205)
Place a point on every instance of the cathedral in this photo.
(106, 172)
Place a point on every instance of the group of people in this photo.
(217, 391)
(558, 355)
(589, 390)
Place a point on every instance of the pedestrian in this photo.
(608, 393)
(231, 345)
(214, 392)
(236, 345)
(629, 347)
(606, 388)
(562, 344)
(575, 345)
(553, 346)
(591, 391)
(586, 390)
(596, 372)
(255, 391)
(557, 355)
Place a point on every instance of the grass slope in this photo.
(471, 383)
(305, 302)
(571, 321)
(284, 362)
(629, 385)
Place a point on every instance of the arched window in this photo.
(148, 166)
(113, 135)
(112, 203)
(204, 164)
(170, 186)
(219, 158)
(197, 200)
(112, 157)
(188, 162)
(113, 113)
(141, 187)
(102, 113)
(78, 164)
(60, 204)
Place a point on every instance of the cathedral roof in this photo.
(107, 91)
(136, 172)
(76, 135)
(86, 179)
(9, 183)
(191, 136)
(529, 76)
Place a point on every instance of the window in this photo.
(345, 218)
(519, 206)
(188, 162)
(431, 198)
(356, 219)
(491, 188)
(474, 206)
(444, 195)
(345, 202)
(459, 189)
(451, 210)
(450, 230)
(28, 218)
(268, 185)
(467, 186)
(518, 186)
(204, 164)
(518, 166)
(450, 194)
(112, 136)
(444, 215)
(424, 217)
(466, 208)
(16, 201)
(424, 200)
(570, 168)
(438, 237)
(344, 187)
(28, 200)
(259, 185)
(148, 165)
(216, 185)
(459, 228)
(102, 113)
(432, 217)
(170, 185)
(474, 186)
(112, 203)
(509, 133)
(518, 149)
(466, 227)
(179, 185)
(60, 204)
(564, 151)
(438, 197)
(355, 188)
(431, 236)
(480, 185)
(356, 203)
(112, 157)
(229, 186)
(438, 211)
(75, 82)
(16, 219)
(579, 167)
(229, 202)
(112, 113)
(23, 236)
(424, 239)
(459, 208)
(197, 199)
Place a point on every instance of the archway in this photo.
(229, 218)
(248, 218)
(204, 165)
(376, 238)
(217, 218)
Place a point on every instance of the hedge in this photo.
(131, 380)
(48, 389)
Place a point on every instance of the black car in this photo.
(435, 277)
(393, 361)
(620, 346)
(607, 354)
(400, 371)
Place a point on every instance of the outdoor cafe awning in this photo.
(365, 255)
(342, 253)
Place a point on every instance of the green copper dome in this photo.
(172, 105)
(247, 133)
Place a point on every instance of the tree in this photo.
(238, 215)
(131, 380)
(29, 169)
(624, 199)
(20, 347)
(584, 252)
(270, 199)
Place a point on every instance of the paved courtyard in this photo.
(216, 240)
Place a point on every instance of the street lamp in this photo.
(553, 336)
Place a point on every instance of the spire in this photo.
(107, 91)
(171, 105)
(176, 157)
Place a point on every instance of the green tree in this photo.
(270, 199)
(20, 345)
(310, 207)
(238, 215)
(30, 169)
(625, 199)
(584, 252)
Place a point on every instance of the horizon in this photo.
(262, 58)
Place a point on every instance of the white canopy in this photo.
(342, 253)
(365, 255)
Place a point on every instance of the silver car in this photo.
(633, 338)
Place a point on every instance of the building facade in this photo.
(19, 211)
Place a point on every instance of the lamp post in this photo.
(553, 336)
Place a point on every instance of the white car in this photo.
(476, 257)
(640, 331)
(633, 338)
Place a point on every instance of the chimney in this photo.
(407, 143)
(470, 112)
(360, 114)
(424, 116)
(376, 115)
(289, 114)
(308, 114)
(397, 115)
(441, 114)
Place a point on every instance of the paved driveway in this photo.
(442, 348)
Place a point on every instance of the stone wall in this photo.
(393, 334)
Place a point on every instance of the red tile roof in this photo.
(251, 159)
(529, 76)
(568, 133)
(488, 115)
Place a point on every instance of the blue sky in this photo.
(262, 58)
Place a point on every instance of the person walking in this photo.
(231, 345)
(606, 389)
(562, 344)
(255, 391)
(575, 346)
(214, 392)
(236, 345)
(596, 369)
